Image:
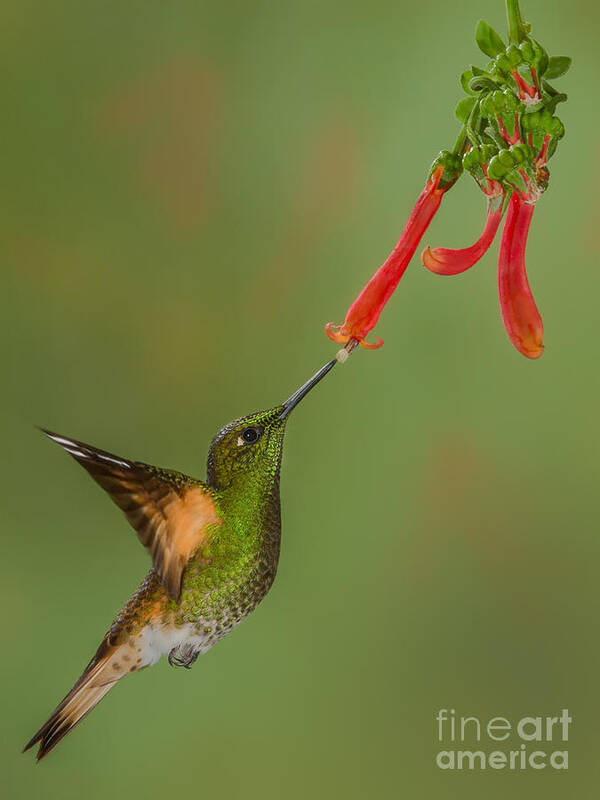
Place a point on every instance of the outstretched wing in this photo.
(169, 511)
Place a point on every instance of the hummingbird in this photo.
(214, 546)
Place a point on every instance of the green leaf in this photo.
(468, 75)
(551, 104)
(549, 89)
(557, 66)
(488, 40)
(542, 57)
(482, 82)
(464, 108)
(465, 78)
(551, 98)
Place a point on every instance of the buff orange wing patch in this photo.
(170, 512)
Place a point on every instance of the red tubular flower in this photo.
(364, 312)
(444, 261)
(521, 318)
(529, 94)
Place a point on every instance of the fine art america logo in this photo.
(528, 743)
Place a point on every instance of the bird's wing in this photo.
(169, 511)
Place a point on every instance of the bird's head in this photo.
(251, 447)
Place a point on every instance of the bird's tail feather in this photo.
(83, 697)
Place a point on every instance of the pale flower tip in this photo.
(428, 259)
(434, 261)
(532, 352)
(334, 332)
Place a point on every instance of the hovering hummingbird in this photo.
(214, 548)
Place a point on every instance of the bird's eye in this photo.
(249, 436)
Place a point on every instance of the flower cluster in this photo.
(509, 132)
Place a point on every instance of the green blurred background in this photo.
(191, 189)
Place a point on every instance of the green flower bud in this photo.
(474, 158)
(514, 56)
(540, 60)
(506, 158)
(511, 103)
(521, 153)
(502, 64)
(488, 151)
(452, 165)
(516, 179)
(474, 161)
(530, 122)
(471, 159)
(501, 101)
(496, 170)
(517, 154)
(527, 52)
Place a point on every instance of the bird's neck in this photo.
(250, 506)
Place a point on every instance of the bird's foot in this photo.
(184, 655)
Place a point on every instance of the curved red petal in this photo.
(444, 261)
(372, 345)
(521, 317)
(335, 333)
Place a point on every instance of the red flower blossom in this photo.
(523, 173)
(527, 93)
(444, 261)
(521, 318)
(364, 312)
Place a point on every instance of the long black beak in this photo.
(293, 401)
